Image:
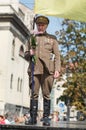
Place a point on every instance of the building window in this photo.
(13, 49)
(11, 81)
(21, 51)
(18, 84)
(21, 85)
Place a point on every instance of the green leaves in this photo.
(33, 42)
(33, 46)
(34, 59)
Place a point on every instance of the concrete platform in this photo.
(60, 125)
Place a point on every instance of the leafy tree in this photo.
(72, 39)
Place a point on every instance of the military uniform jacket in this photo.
(47, 54)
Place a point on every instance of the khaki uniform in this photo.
(47, 62)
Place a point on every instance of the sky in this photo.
(55, 23)
(28, 3)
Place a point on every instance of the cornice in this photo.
(16, 21)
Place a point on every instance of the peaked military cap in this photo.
(42, 19)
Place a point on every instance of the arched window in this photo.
(21, 51)
(11, 81)
(13, 49)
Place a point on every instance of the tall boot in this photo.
(33, 112)
(46, 113)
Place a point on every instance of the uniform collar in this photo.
(41, 34)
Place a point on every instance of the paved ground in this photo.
(60, 125)
(66, 124)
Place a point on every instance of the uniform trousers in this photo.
(45, 81)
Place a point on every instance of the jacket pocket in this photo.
(48, 46)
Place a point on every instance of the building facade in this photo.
(15, 27)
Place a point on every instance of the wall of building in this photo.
(7, 3)
(14, 88)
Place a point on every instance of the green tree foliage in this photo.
(72, 39)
